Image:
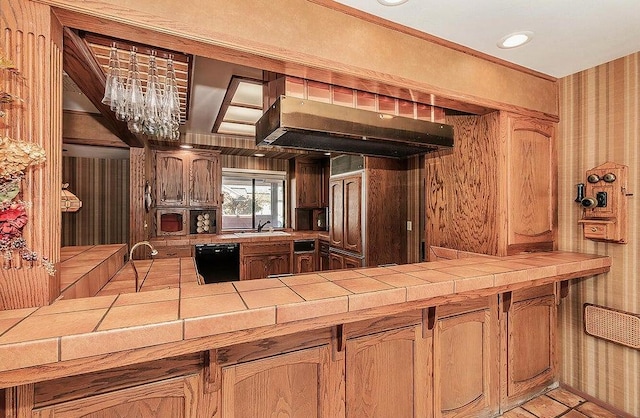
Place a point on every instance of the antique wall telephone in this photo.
(604, 203)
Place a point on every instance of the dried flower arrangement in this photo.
(15, 157)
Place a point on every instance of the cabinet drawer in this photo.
(266, 248)
(174, 251)
(598, 229)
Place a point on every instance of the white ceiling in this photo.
(569, 35)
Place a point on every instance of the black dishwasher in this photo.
(218, 262)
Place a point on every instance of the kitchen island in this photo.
(468, 336)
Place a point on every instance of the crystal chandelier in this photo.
(154, 111)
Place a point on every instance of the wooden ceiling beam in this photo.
(81, 65)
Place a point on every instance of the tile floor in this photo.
(559, 403)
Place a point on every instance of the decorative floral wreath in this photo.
(15, 157)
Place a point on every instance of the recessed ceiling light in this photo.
(392, 2)
(258, 155)
(514, 40)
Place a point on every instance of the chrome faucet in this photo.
(133, 247)
(262, 225)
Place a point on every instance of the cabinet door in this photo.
(530, 347)
(279, 264)
(171, 169)
(296, 384)
(336, 213)
(387, 374)
(308, 184)
(531, 185)
(465, 375)
(336, 261)
(304, 263)
(171, 398)
(351, 262)
(255, 267)
(352, 228)
(203, 180)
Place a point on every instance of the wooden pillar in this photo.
(31, 37)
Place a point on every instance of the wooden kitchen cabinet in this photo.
(528, 328)
(176, 397)
(187, 179)
(466, 359)
(304, 262)
(260, 260)
(387, 374)
(296, 375)
(338, 261)
(308, 183)
(169, 387)
(531, 173)
(345, 215)
(496, 192)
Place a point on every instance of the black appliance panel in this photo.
(218, 262)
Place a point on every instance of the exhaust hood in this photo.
(316, 126)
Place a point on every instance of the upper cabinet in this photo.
(496, 192)
(531, 175)
(187, 179)
(308, 183)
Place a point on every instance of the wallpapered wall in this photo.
(103, 187)
(600, 122)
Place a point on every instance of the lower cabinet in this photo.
(387, 374)
(339, 261)
(261, 260)
(304, 262)
(466, 360)
(289, 385)
(177, 397)
(528, 329)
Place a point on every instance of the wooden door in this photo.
(255, 267)
(308, 184)
(353, 214)
(279, 264)
(465, 372)
(288, 385)
(336, 261)
(351, 262)
(203, 180)
(387, 374)
(336, 213)
(530, 339)
(304, 262)
(169, 398)
(531, 185)
(171, 173)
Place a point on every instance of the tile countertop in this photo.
(196, 317)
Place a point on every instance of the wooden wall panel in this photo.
(140, 220)
(32, 39)
(254, 163)
(600, 121)
(462, 188)
(103, 187)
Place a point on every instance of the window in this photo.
(252, 198)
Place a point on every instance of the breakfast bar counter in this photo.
(203, 323)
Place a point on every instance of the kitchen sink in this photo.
(262, 234)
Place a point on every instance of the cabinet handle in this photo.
(594, 229)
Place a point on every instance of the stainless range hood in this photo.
(310, 125)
